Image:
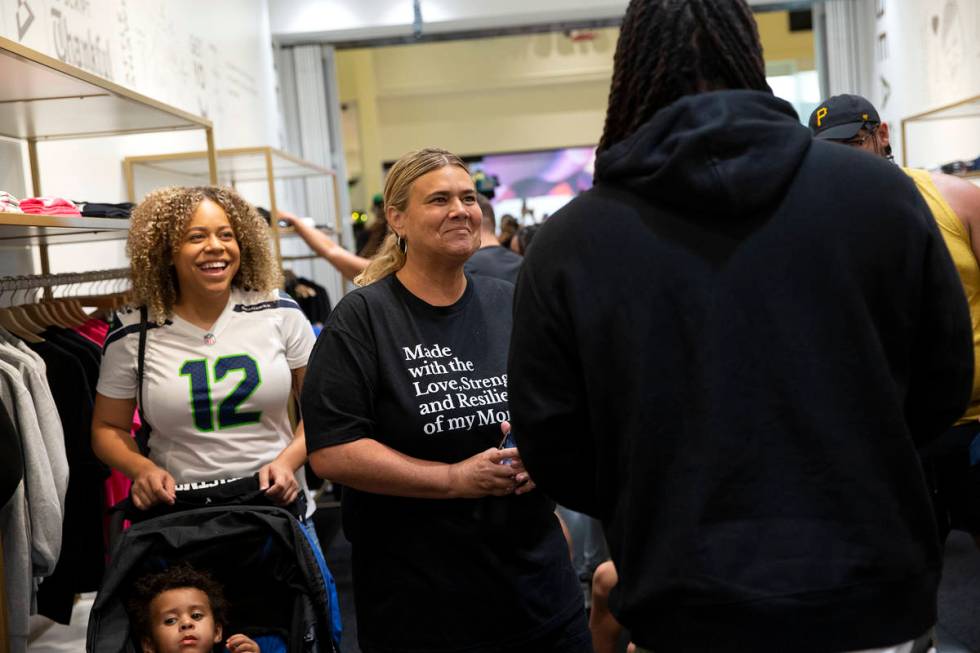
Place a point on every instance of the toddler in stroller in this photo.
(268, 563)
(182, 610)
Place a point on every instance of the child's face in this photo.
(181, 622)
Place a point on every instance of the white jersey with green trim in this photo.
(217, 400)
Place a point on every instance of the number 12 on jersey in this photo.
(227, 411)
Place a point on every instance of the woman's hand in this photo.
(279, 483)
(153, 485)
(241, 644)
(523, 479)
(483, 474)
(289, 218)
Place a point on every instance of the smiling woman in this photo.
(224, 350)
(406, 404)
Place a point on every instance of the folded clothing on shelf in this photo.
(48, 206)
(961, 167)
(9, 203)
(106, 210)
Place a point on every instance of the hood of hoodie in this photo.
(724, 153)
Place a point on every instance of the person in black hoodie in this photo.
(728, 351)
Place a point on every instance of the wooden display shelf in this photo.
(236, 165)
(966, 109)
(20, 229)
(261, 164)
(290, 232)
(42, 98)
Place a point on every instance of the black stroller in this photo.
(276, 580)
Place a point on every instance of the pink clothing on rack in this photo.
(95, 330)
(117, 485)
(116, 489)
(49, 206)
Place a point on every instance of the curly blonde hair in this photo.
(157, 226)
(398, 186)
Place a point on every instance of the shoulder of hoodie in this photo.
(593, 216)
(863, 184)
(843, 181)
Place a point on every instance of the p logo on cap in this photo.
(821, 114)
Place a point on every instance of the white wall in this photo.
(347, 20)
(933, 59)
(210, 58)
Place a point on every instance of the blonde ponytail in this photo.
(389, 259)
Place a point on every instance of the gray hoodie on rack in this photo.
(31, 522)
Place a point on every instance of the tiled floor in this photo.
(66, 639)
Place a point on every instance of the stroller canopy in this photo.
(260, 555)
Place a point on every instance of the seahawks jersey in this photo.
(216, 399)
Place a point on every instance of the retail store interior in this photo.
(304, 108)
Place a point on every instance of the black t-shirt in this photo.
(495, 261)
(431, 382)
(82, 562)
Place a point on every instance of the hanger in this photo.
(8, 320)
(56, 309)
(22, 318)
(39, 314)
(107, 302)
(73, 309)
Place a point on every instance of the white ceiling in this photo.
(338, 21)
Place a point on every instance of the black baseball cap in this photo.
(841, 117)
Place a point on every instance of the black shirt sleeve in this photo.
(341, 379)
(547, 397)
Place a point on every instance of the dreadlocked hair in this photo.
(671, 48)
(155, 231)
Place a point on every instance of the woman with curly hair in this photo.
(223, 351)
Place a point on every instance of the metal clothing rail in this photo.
(29, 281)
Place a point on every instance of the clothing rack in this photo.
(29, 281)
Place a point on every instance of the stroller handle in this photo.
(242, 491)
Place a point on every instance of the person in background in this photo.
(521, 241)
(492, 259)
(376, 231)
(951, 461)
(729, 351)
(508, 227)
(406, 406)
(218, 331)
(606, 631)
(347, 263)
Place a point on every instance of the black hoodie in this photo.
(728, 351)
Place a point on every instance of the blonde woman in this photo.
(405, 405)
(223, 352)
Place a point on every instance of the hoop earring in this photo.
(401, 243)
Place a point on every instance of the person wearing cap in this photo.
(950, 462)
